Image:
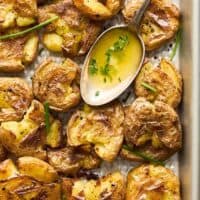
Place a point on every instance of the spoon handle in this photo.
(135, 23)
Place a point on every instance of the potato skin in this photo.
(159, 24)
(152, 128)
(165, 79)
(58, 84)
(153, 182)
(16, 97)
(70, 160)
(73, 31)
(111, 186)
(16, 53)
(102, 127)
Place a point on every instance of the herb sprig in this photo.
(21, 33)
(47, 116)
(146, 157)
(149, 87)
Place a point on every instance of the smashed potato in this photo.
(166, 80)
(99, 10)
(111, 187)
(17, 13)
(101, 127)
(15, 98)
(152, 128)
(73, 33)
(16, 53)
(159, 24)
(152, 183)
(58, 84)
(70, 160)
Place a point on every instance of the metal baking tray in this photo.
(189, 65)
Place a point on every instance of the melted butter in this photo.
(122, 64)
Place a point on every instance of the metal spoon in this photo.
(112, 93)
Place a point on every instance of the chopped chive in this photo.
(148, 87)
(104, 80)
(119, 79)
(177, 43)
(47, 116)
(143, 156)
(21, 33)
(97, 93)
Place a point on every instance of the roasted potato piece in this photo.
(159, 24)
(110, 187)
(8, 170)
(15, 98)
(152, 183)
(25, 137)
(99, 10)
(70, 160)
(25, 187)
(152, 128)
(101, 127)
(17, 13)
(165, 79)
(16, 53)
(58, 84)
(37, 169)
(73, 33)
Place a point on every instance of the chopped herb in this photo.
(177, 43)
(93, 67)
(97, 93)
(148, 87)
(104, 80)
(146, 157)
(47, 116)
(119, 79)
(120, 44)
(39, 26)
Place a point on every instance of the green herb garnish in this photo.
(148, 87)
(21, 33)
(97, 93)
(47, 116)
(144, 156)
(177, 43)
(93, 67)
(119, 79)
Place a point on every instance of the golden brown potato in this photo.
(58, 84)
(72, 33)
(165, 79)
(17, 13)
(111, 187)
(101, 127)
(25, 187)
(37, 169)
(152, 183)
(152, 128)
(8, 170)
(26, 137)
(159, 24)
(99, 10)
(15, 98)
(18, 52)
(70, 160)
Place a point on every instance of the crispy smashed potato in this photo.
(152, 183)
(72, 33)
(159, 24)
(101, 127)
(37, 169)
(17, 13)
(18, 52)
(165, 79)
(25, 187)
(70, 160)
(151, 128)
(58, 84)
(111, 187)
(99, 10)
(15, 98)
